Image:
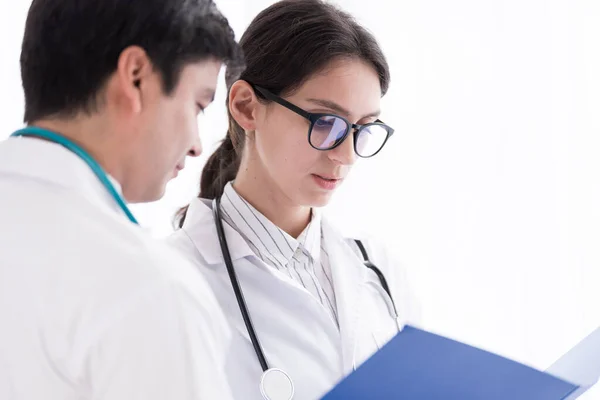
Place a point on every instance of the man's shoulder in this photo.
(75, 238)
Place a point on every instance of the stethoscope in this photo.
(33, 131)
(275, 384)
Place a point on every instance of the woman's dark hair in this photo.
(285, 45)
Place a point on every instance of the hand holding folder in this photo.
(417, 365)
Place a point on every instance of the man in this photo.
(91, 307)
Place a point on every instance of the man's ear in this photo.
(134, 71)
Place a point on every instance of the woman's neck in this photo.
(264, 195)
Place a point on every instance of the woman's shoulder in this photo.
(354, 238)
(387, 259)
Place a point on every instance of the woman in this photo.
(301, 112)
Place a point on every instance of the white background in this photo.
(489, 192)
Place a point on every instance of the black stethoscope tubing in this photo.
(239, 294)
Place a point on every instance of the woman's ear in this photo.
(243, 104)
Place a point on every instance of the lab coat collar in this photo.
(51, 162)
(199, 225)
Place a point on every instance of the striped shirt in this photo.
(304, 260)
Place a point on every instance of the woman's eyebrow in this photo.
(339, 109)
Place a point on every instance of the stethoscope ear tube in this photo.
(239, 295)
(378, 272)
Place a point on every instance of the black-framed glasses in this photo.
(328, 131)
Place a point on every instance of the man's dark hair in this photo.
(71, 47)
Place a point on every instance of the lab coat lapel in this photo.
(348, 274)
(200, 227)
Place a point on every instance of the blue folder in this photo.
(418, 365)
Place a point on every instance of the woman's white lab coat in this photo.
(296, 332)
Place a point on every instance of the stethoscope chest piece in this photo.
(275, 384)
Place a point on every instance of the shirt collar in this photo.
(310, 239)
(264, 236)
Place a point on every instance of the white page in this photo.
(581, 365)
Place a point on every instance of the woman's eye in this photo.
(324, 122)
